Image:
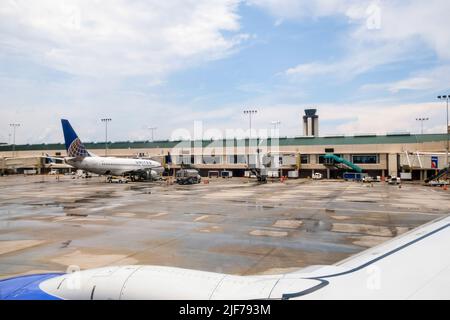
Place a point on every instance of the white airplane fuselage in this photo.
(114, 166)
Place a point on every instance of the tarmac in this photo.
(233, 226)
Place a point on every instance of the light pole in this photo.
(446, 125)
(421, 123)
(106, 120)
(14, 126)
(276, 125)
(250, 113)
(152, 129)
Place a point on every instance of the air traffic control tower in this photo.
(311, 123)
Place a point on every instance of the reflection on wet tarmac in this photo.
(230, 226)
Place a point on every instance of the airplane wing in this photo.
(415, 265)
(52, 159)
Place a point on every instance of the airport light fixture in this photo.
(276, 125)
(14, 126)
(152, 129)
(446, 98)
(250, 113)
(421, 123)
(106, 120)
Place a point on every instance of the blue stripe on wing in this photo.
(26, 287)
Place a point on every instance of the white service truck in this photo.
(317, 176)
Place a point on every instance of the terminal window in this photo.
(241, 159)
(322, 160)
(304, 158)
(236, 159)
(365, 159)
(212, 159)
(184, 160)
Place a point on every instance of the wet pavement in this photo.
(232, 226)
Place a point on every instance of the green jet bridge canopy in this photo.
(333, 159)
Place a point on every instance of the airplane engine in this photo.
(154, 174)
(149, 175)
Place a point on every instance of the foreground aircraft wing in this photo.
(415, 265)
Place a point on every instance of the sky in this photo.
(367, 66)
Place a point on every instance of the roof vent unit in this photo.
(335, 136)
(398, 134)
(365, 135)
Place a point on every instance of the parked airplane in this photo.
(80, 158)
(415, 265)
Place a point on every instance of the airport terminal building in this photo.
(386, 155)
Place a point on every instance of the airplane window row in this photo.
(137, 162)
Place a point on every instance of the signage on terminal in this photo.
(434, 162)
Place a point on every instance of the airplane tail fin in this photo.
(74, 146)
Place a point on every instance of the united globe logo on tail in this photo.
(77, 149)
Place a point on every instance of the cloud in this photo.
(362, 117)
(378, 117)
(399, 19)
(300, 9)
(379, 33)
(86, 59)
(118, 55)
(311, 69)
(385, 118)
(118, 37)
(426, 21)
(435, 80)
(130, 123)
(417, 83)
(359, 60)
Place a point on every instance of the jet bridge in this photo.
(333, 160)
(439, 175)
